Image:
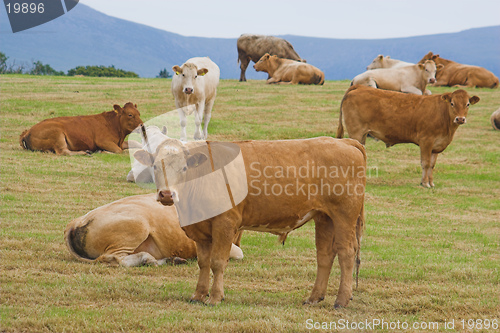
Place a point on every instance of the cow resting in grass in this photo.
(133, 231)
(253, 47)
(194, 87)
(456, 74)
(410, 79)
(495, 120)
(387, 62)
(427, 121)
(285, 71)
(279, 200)
(80, 135)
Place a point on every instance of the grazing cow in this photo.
(456, 74)
(290, 182)
(139, 172)
(285, 71)
(253, 47)
(495, 120)
(132, 231)
(80, 135)
(195, 84)
(427, 121)
(410, 79)
(386, 62)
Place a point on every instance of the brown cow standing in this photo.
(82, 134)
(456, 74)
(286, 71)
(253, 47)
(289, 183)
(393, 117)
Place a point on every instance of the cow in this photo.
(410, 79)
(495, 120)
(80, 135)
(140, 173)
(386, 62)
(289, 183)
(285, 71)
(133, 231)
(392, 117)
(456, 74)
(253, 47)
(195, 84)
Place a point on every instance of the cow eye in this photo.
(468, 104)
(452, 104)
(183, 75)
(184, 169)
(195, 76)
(130, 115)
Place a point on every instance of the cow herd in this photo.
(287, 182)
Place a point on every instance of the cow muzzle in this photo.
(188, 91)
(460, 120)
(165, 198)
(432, 80)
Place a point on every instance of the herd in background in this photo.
(390, 101)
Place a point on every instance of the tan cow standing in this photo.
(429, 122)
(132, 231)
(290, 182)
(285, 71)
(80, 135)
(253, 47)
(410, 79)
(194, 87)
(456, 74)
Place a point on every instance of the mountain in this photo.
(85, 36)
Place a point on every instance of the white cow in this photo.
(139, 172)
(409, 79)
(195, 83)
(386, 62)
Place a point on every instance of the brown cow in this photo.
(285, 71)
(289, 183)
(132, 231)
(253, 47)
(456, 74)
(495, 120)
(80, 135)
(393, 117)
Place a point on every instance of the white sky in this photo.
(360, 19)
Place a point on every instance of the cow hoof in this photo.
(338, 306)
(88, 152)
(214, 302)
(313, 301)
(425, 185)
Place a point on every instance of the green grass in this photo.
(428, 255)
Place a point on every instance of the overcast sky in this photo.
(360, 19)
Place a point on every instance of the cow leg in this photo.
(433, 164)
(138, 259)
(425, 162)
(244, 61)
(198, 117)
(182, 122)
(221, 248)
(207, 116)
(204, 253)
(324, 255)
(411, 90)
(61, 147)
(109, 146)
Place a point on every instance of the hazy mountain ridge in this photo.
(85, 36)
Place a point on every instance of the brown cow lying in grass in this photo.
(289, 71)
(133, 231)
(495, 120)
(80, 135)
(393, 117)
(456, 74)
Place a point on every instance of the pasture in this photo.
(429, 256)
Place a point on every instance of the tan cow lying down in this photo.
(280, 198)
(410, 79)
(387, 62)
(427, 121)
(456, 74)
(80, 135)
(132, 231)
(495, 120)
(289, 71)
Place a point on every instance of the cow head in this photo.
(458, 105)
(429, 70)
(263, 64)
(170, 164)
(129, 117)
(377, 62)
(188, 74)
(428, 56)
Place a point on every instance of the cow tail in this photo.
(73, 239)
(24, 140)
(340, 128)
(360, 225)
(495, 122)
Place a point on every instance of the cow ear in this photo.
(473, 100)
(135, 105)
(118, 109)
(446, 97)
(202, 71)
(144, 157)
(177, 70)
(196, 160)
(164, 130)
(381, 57)
(439, 67)
(421, 66)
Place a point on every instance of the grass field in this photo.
(429, 256)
